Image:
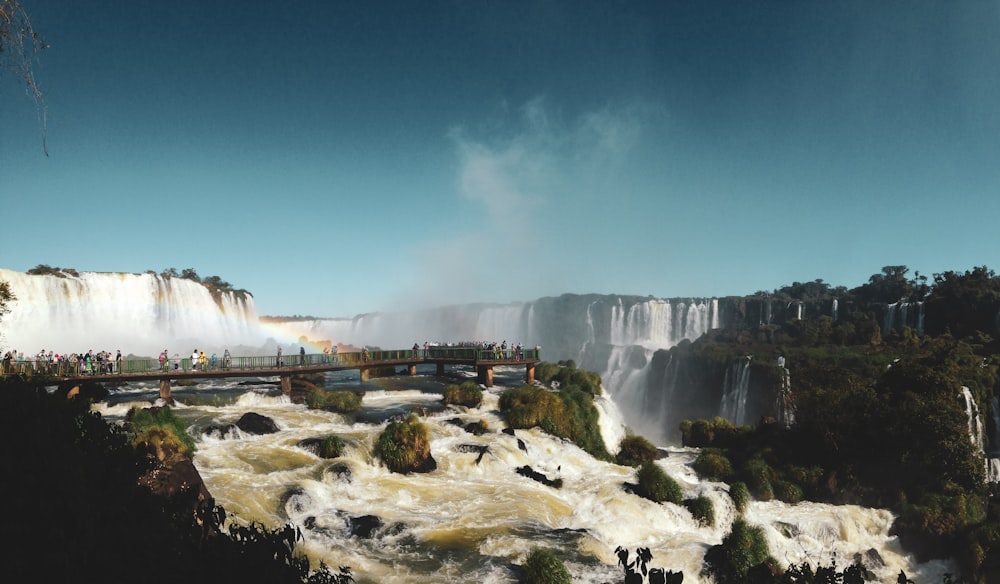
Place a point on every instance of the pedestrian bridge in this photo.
(284, 366)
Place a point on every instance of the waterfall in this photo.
(736, 387)
(784, 405)
(140, 314)
(977, 434)
(897, 316)
(833, 309)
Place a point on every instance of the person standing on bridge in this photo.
(227, 360)
(163, 360)
(194, 360)
(302, 355)
(278, 360)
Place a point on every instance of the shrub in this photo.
(585, 381)
(543, 567)
(635, 450)
(713, 465)
(741, 550)
(657, 485)
(787, 492)
(467, 394)
(404, 446)
(759, 479)
(545, 371)
(160, 430)
(569, 413)
(343, 402)
(529, 406)
(740, 495)
(702, 510)
(332, 446)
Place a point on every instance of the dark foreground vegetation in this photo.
(88, 501)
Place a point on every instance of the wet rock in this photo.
(340, 471)
(253, 423)
(222, 431)
(531, 473)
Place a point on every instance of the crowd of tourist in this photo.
(103, 362)
(46, 362)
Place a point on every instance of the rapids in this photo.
(471, 521)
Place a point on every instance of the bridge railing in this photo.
(67, 368)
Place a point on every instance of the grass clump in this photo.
(405, 446)
(161, 430)
(702, 510)
(568, 413)
(635, 450)
(744, 548)
(713, 465)
(331, 446)
(656, 485)
(342, 402)
(543, 567)
(467, 394)
(740, 495)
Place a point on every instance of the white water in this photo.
(464, 522)
(469, 522)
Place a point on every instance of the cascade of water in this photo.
(977, 434)
(833, 309)
(785, 406)
(137, 313)
(736, 387)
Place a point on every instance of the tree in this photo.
(19, 45)
(190, 274)
(6, 297)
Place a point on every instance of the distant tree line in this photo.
(216, 285)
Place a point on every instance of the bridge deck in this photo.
(268, 366)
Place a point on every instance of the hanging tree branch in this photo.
(19, 45)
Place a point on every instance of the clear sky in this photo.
(337, 157)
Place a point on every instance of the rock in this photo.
(253, 423)
(531, 473)
(480, 449)
(341, 472)
(365, 526)
(222, 431)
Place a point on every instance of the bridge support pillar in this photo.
(440, 369)
(529, 374)
(286, 385)
(485, 375)
(365, 374)
(413, 369)
(165, 390)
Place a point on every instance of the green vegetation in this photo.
(656, 485)
(404, 446)
(568, 413)
(879, 415)
(566, 373)
(713, 465)
(635, 450)
(331, 446)
(340, 401)
(216, 285)
(740, 495)
(160, 429)
(742, 549)
(702, 510)
(467, 394)
(6, 297)
(543, 567)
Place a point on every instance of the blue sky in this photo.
(335, 158)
